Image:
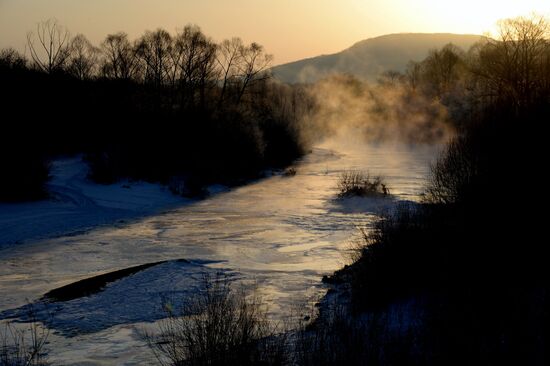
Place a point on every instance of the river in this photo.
(282, 233)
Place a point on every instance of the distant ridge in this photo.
(368, 58)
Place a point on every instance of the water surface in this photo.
(284, 233)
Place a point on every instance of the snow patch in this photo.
(138, 297)
(76, 205)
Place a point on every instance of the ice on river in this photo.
(284, 233)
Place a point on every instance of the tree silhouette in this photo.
(83, 59)
(194, 62)
(49, 46)
(154, 50)
(254, 66)
(441, 68)
(515, 68)
(229, 59)
(120, 57)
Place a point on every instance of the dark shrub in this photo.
(218, 326)
(356, 183)
(23, 347)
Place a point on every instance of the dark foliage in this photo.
(472, 252)
(24, 174)
(146, 115)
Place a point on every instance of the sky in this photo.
(288, 29)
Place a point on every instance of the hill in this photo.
(368, 58)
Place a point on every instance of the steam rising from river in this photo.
(345, 106)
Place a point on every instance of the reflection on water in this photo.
(283, 232)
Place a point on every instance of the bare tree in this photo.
(390, 78)
(254, 67)
(120, 57)
(515, 67)
(229, 59)
(194, 63)
(154, 50)
(84, 58)
(49, 45)
(442, 68)
(413, 74)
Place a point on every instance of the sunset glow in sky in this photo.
(289, 29)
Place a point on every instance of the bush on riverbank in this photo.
(218, 326)
(357, 183)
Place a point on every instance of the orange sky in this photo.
(289, 29)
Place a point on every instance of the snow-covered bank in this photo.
(77, 205)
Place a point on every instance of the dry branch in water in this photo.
(358, 183)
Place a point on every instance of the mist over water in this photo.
(389, 111)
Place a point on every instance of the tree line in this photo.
(164, 107)
(511, 69)
(189, 59)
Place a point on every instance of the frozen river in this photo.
(284, 233)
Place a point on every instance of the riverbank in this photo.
(76, 205)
